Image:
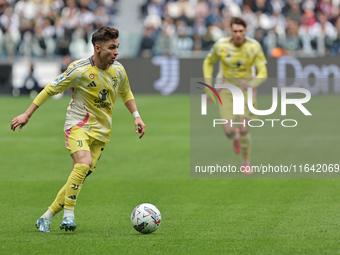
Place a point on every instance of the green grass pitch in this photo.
(199, 216)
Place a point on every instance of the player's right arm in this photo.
(41, 98)
(208, 66)
(208, 63)
(22, 119)
(62, 82)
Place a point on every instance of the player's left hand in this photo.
(139, 126)
(244, 84)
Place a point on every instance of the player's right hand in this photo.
(20, 121)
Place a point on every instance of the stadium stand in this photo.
(295, 27)
(184, 28)
(49, 28)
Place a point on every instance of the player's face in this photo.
(109, 51)
(238, 33)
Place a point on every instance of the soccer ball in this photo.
(146, 218)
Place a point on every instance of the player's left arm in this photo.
(139, 124)
(208, 63)
(126, 94)
(261, 68)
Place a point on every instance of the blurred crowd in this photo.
(289, 27)
(48, 28)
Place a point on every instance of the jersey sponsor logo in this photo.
(102, 97)
(92, 84)
(91, 76)
(60, 78)
(103, 94)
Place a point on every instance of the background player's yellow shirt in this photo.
(236, 62)
(94, 93)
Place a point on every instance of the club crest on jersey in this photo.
(103, 94)
(114, 80)
(91, 76)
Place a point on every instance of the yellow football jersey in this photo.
(94, 93)
(236, 62)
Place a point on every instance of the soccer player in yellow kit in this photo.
(237, 55)
(95, 83)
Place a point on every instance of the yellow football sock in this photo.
(245, 143)
(59, 201)
(74, 184)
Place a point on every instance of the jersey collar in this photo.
(91, 60)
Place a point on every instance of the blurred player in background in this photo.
(95, 83)
(31, 85)
(237, 54)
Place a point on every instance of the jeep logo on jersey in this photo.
(114, 80)
(103, 94)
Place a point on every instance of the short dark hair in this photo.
(238, 21)
(104, 34)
